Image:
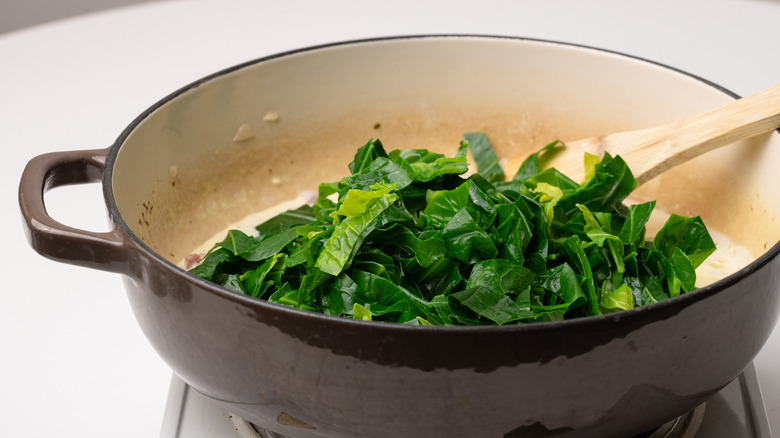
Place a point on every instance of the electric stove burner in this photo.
(262, 433)
(245, 429)
(736, 411)
(684, 426)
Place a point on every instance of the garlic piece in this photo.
(244, 133)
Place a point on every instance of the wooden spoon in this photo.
(652, 151)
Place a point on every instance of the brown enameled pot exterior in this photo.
(176, 175)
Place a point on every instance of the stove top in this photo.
(737, 411)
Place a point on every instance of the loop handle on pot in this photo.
(108, 251)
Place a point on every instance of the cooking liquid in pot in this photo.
(726, 260)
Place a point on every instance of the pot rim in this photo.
(680, 302)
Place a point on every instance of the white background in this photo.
(72, 359)
(21, 14)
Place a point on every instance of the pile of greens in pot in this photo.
(411, 240)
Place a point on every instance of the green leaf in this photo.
(563, 282)
(500, 275)
(347, 235)
(426, 248)
(466, 241)
(443, 204)
(361, 313)
(382, 171)
(233, 283)
(485, 156)
(270, 246)
(326, 189)
(383, 297)
(687, 233)
(237, 242)
(366, 155)
(211, 263)
(611, 184)
(442, 277)
(253, 282)
(633, 230)
(301, 216)
(492, 304)
(310, 243)
(684, 269)
(357, 201)
(659, 265)
(426, 166)
(337, 296)
(573, 252)
(620, 298)
(593, 229)
(536, 161)
(309, 285)
(481, 203)
(515, 232)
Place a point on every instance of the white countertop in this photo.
(73, 361)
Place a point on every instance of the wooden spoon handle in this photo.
(650, 152)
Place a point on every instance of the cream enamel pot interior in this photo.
(176, 176)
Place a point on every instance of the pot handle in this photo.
(108, 251)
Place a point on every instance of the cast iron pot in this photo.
(179, 174)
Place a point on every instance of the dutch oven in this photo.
(257, 134)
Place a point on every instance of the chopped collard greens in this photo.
(411, 240)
